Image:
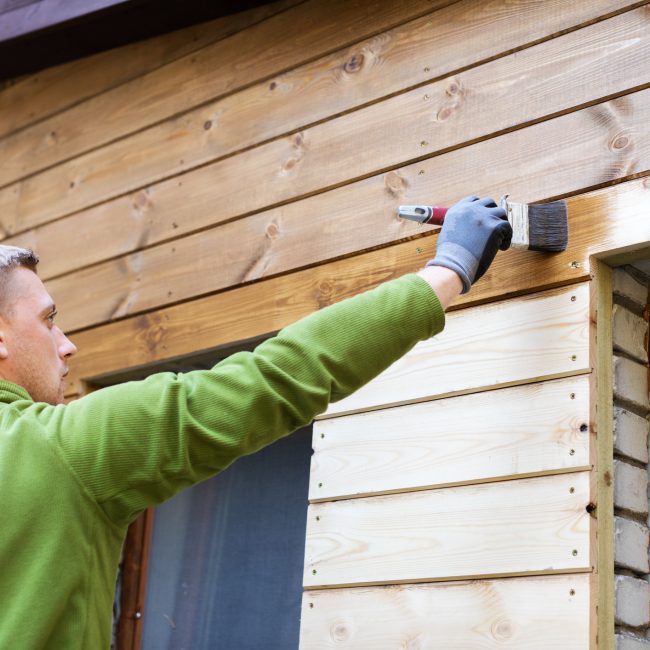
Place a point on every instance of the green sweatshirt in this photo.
(73, 477)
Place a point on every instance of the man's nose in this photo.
(66, 347)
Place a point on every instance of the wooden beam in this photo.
(504, 434)
(532, 526)
(58, 88)
(135, 565)
(602, 488)
(547, 336)
(326, 155)
(546, 613)
(262, 308)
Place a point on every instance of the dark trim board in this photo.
(41, 33)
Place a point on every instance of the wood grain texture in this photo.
(514, 432)
(306, 31)
(260, 309)
(446, 114)
(545, 613)
(532, 163)
(530, 526)
(602, 450)
(517, 341)
(40, 95)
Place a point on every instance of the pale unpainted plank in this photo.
(578, 150)
(522, 340)
(445, 114)
(508, 433)
(39, 95)
(279, 43)
(538, 613)
(262, 308)
(528, 526)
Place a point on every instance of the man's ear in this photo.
(4, 353)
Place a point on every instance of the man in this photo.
(73, 477)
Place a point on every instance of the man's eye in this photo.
(51, 317)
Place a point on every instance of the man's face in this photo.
(33, 350)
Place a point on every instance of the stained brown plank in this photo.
(265, 307)
(306, 31)
(37, 96)
(557, 157)
(349, 147)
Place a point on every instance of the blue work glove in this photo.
(473, 231)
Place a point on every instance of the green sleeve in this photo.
(136, 444)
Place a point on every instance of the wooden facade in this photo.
(214, 185)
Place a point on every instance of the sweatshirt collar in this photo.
(10, 392)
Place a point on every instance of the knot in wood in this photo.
(141, 200)
(298, 140)
(454, 88)
(395, 184)
(273, 85)
(502, 629)
(272, 230)
(339, 632)
(413, 644)
(445, 113)
(620, 141)
(354, 63)
(207, 125)
(324, 293)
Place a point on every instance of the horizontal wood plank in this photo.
(38, 96)
(282, 42)
(522, 340)
(545, 613)
(529, 526)
(533, 163)
(457, 111)
(514, 432)
(262, 308)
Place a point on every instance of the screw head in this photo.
(572, 452)
(571, 490)
(421, 172)
(423, 143)
(574, 552)
(572, 592)
(573, 298)
(427, 69)
(311, 605)
(572, 395)
(573, 357)
(320, 485)
(313, 571)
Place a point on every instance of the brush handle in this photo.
(437, 215)
(423, 213)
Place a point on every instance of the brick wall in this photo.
(630, 334)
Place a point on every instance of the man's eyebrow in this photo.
(49, 309)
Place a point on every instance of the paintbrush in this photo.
(535, 227)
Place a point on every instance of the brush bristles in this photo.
(548, 227)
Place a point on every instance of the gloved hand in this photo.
(473, 231)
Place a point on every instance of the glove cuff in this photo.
(458, 259)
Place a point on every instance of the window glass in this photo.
(227, 556)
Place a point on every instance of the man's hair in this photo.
(12, 257)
